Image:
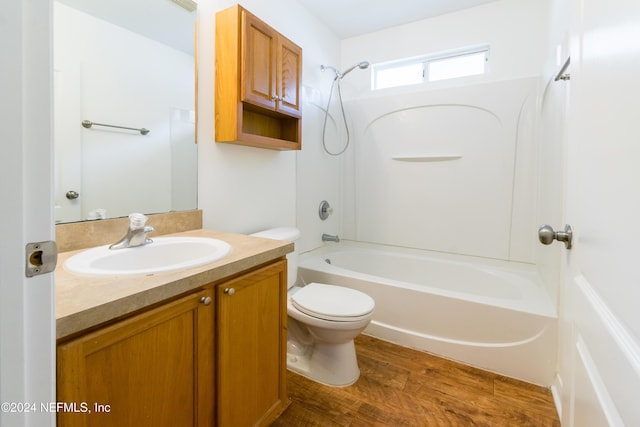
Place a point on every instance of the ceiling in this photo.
(168, 23)
(348, 18)
(160, 20)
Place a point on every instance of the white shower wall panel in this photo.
(435, 169)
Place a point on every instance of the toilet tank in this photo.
(289, 234)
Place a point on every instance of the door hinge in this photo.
(41, 258)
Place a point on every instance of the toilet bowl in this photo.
(323, 321)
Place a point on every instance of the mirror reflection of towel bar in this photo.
(562, 75)
(88, 123)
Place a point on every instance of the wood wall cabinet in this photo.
(252, 338)
(153, 369)
(258, 82)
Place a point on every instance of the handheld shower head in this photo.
(362, 65)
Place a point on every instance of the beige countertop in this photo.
(83, 302)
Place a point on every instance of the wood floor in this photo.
(404, 387)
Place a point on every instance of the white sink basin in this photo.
(164, 254)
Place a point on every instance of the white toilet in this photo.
(323, 321)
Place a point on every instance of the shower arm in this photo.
(340, 75)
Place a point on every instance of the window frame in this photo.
(425, 60)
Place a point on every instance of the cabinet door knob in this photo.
(205, 300)
(229, 291)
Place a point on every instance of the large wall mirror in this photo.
(127, 63)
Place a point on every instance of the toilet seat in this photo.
(331, 302)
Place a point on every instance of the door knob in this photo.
(547, 235)
(71, 195)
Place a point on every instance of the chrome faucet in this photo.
(330, 238)
(137, 233)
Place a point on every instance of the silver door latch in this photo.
(41, 258)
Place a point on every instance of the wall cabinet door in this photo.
(153, 369)
(260, 48)
(271, 67)
(289, 75)
(251, 366)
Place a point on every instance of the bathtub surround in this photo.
(441, 170)
(479, 197)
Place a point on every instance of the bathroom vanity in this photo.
(204, 346)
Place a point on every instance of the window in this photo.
(430, 68)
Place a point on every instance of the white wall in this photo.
(245, 189)
(516, 31)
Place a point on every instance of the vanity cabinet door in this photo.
(153, 369)
(251, 367)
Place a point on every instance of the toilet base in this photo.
(330, 364)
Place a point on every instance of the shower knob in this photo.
(324, 210)
(546, 235)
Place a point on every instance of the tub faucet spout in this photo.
(330, 238)
(137, 233)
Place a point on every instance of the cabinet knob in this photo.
(229, 291)
(205, 300)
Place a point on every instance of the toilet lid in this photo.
(332, 302)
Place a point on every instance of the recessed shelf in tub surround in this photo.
(427, 157)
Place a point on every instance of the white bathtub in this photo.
(486, 313)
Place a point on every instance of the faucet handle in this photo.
(137, 220)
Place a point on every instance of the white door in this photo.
(67, 138)
(601, 294)
(27, 327)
